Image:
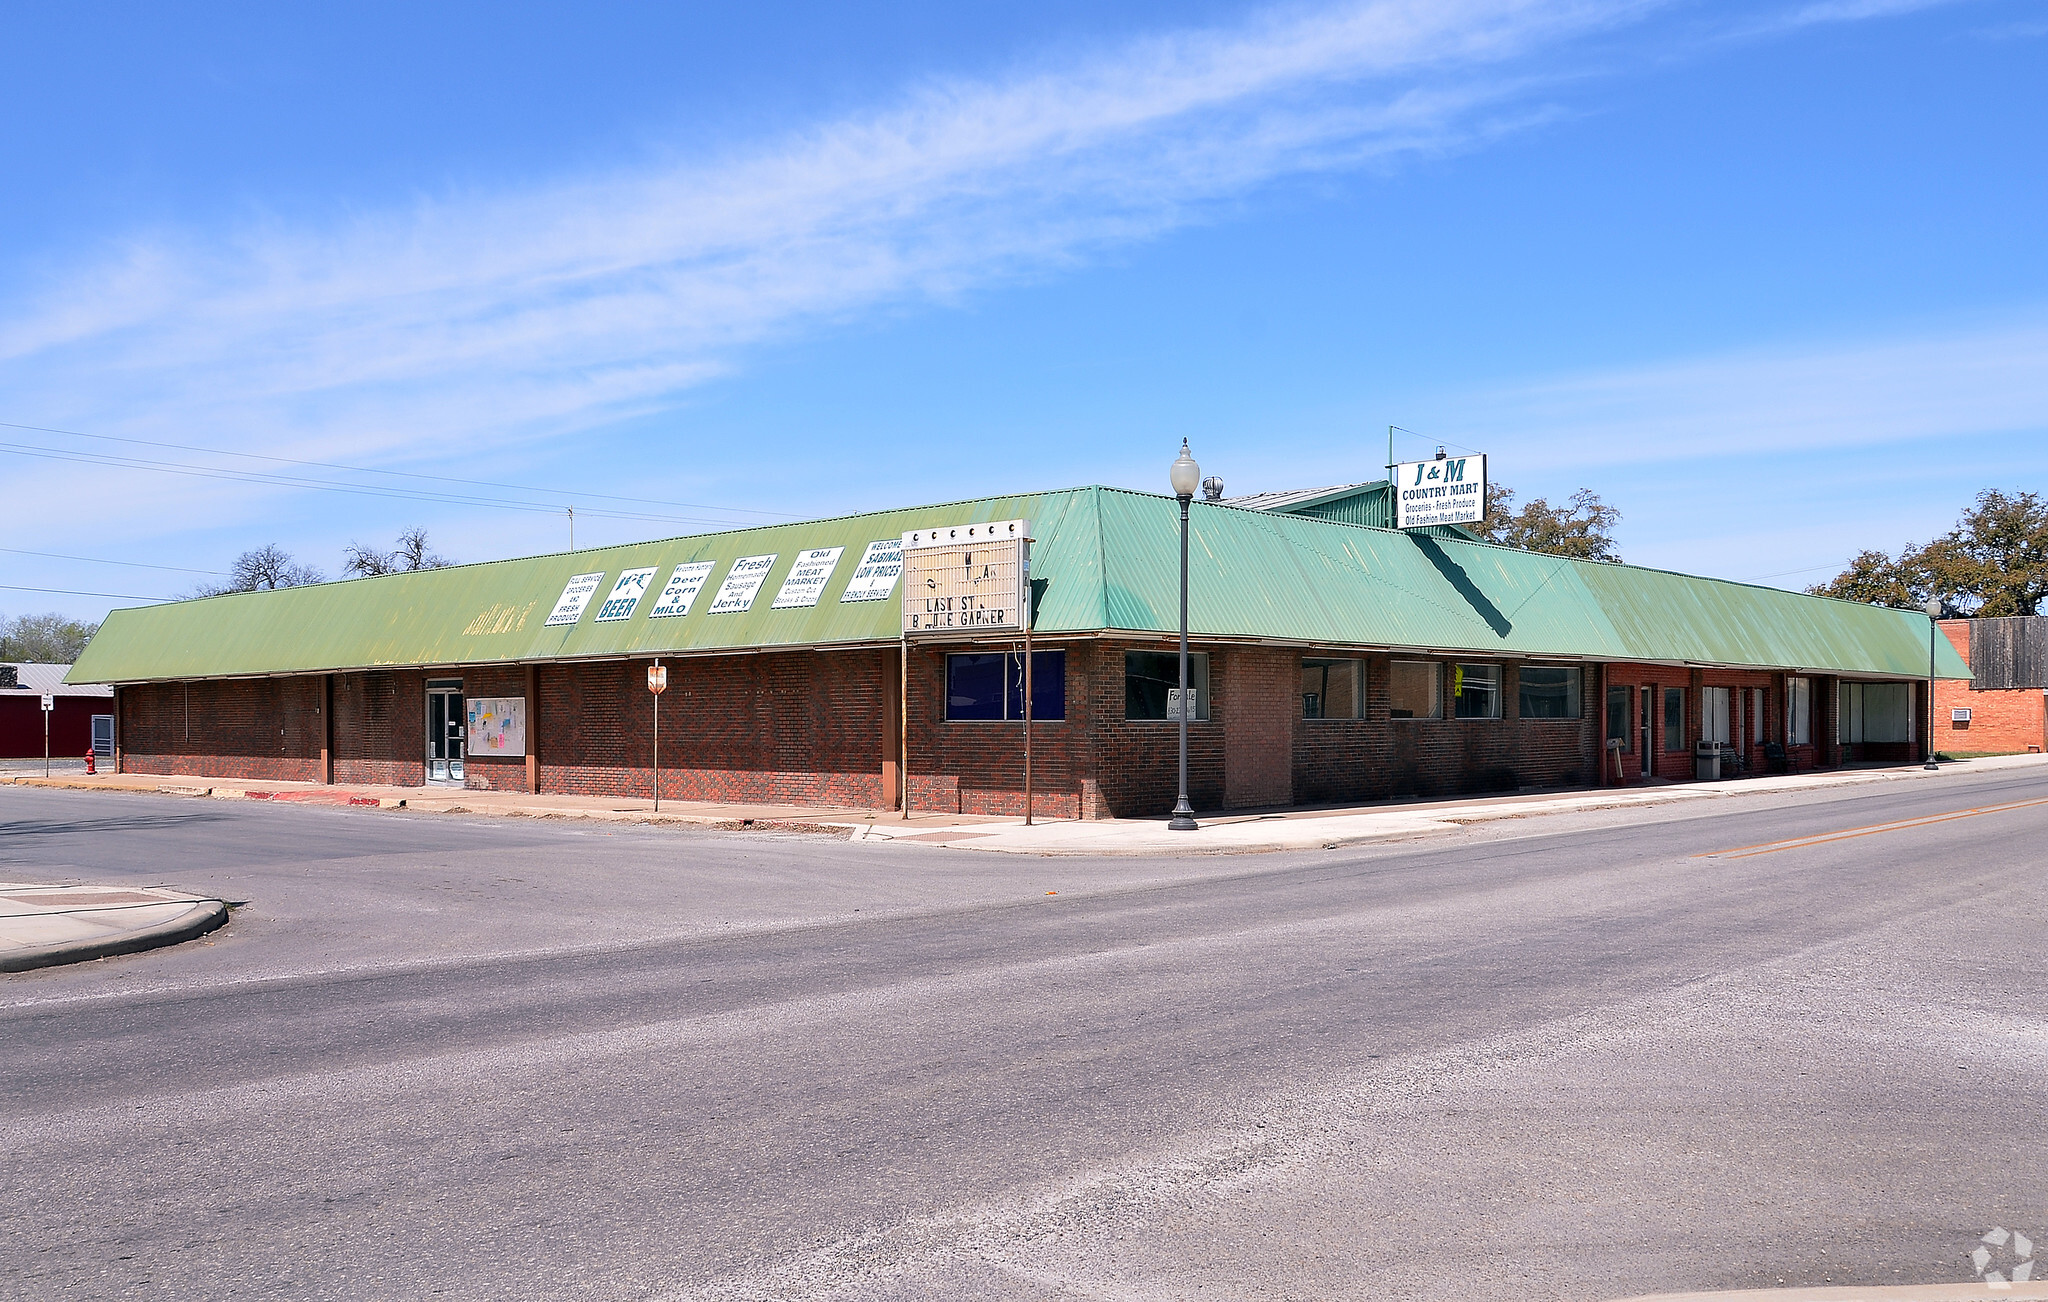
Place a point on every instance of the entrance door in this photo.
(444, 731)
(1643, 716)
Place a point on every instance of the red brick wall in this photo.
(380, 728)
(1677, 765)
(978, 768)
(2008, 719)
(1262, 710)
(264, 728)
(1135, 762)
(499, 772)
(799, 727)
(1377, 757)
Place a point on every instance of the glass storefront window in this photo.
(1332, 689)
(1550, 691)
(1414, 690)
(1475, 691)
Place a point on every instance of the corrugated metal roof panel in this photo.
(1106, 559)
(31, 677)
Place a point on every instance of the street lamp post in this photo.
(1933, 609)
(1186, 477)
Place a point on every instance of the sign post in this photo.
(49, 704)
(967, 579)
(657, 683)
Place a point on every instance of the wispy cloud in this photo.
(483, 319)
(530, 312)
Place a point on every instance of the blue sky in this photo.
(1771, 278)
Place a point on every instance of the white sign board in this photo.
(1449, 490)
(960, 578)
(626, 594)
(49, 702)
(742, 582)
(807, 578)
(1176, 702)
(683, 587)
(497, 727)
(1959, 714)
(575, 597)
(875, 577)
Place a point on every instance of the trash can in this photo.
(1706, 761)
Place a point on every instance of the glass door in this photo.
(445, 721)
(1643, 720)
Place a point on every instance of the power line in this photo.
(406, 474)
(94, 560)
(73, 592)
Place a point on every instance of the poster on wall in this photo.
(683, 587)
(497, 727)
(966, 577)
(875, 577)
(807, 578)
(625, 595)
(577, 595)
(1448, 490)
(742, 583)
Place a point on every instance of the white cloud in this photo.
(530, 313)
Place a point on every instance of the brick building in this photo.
(2001, 707)
(1333, 661)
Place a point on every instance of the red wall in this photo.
(21, 724)
(818, 728)
(2008, 719)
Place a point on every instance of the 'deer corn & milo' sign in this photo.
(960, 578)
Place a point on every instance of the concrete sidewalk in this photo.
(43, 925)
(1238, 832)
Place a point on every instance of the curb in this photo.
(197, 921)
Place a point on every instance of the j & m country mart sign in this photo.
(1449, 490)
(959, 578)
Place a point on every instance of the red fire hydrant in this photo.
(89, 761)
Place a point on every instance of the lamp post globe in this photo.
(1185, 474)
(1933, 607)
(1186, 477)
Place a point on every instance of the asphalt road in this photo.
(1579, 1056)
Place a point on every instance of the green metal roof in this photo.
(1107, 559)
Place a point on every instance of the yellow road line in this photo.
(1824, 838)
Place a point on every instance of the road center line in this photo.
(1823, 838)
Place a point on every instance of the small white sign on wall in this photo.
(742, 583)
(626, 594)
(875, 577)
(807, 578)
(683, 587)
(577, 595)
(1960, 714)
(497, 727)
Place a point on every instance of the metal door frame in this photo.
(456, 725)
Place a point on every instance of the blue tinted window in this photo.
(974, 686)
(989, 685)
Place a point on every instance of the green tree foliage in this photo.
(1583, 528)
(1993, 563)
(44, 639)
